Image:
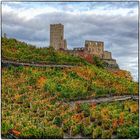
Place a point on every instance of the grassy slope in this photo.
(87, 80)
(30, 96)
(20, 51)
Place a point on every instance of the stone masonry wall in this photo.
(57, 36)
(94, 48)
(107, 55)
(65, 44)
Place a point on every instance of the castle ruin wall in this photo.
(57, 36)
(94, 48)
(107, 55)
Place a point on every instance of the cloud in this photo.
(115, 23)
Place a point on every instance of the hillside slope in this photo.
(78, 82)
(35, 104)
(13, 49)
(35, 101)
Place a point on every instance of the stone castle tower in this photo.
(57, 40)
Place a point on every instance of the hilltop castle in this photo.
(94, 48)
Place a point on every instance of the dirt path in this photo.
(106, 99)
(14, 63)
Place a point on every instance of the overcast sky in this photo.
(115, 23)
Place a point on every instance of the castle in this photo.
(94, 48)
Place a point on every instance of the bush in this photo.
(93, 115)
(31, 133)
(5, 126)
(50, 86)
(128, 132)
(32, 81)
(100, 91)
(86, 109)
(98, 118)
(74, 130)
(106, 124)
(53, 132)
(66, 125)
(87, 130)
(57, 121)
(106, 134)
(78, 107)
(97, 132)
(86, 121)
(73, 75)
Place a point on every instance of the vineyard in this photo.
(36, 101)
(23, 52)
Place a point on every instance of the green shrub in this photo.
(53, 132)
(50, 87)
(98, 119)
(92, 115)
(23, 90)
(50, 132)
(66, 125)
(100, 91)
(57, 121)
(32, 133)
(97, 132)
(5, 126)
(32, 81)
(65, 95)
(128, 132)
(106, 124)
(87, 130)
(59, 87)
(86, 121)
(74, 130)
(134, 132)
(85, 108)
(106, 134)
(73, 75)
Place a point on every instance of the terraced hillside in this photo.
(13, 49)
(35, 101)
